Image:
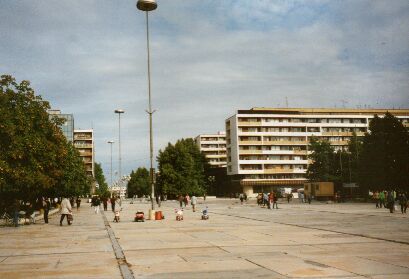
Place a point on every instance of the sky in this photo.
(209, 58)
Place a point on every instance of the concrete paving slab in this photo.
(61, 266)
(296, 267)
(361, 266)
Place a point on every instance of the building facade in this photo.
(213, 146)
(267, 147)
(84, 143)
(68, 126)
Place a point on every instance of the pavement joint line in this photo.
(119, 254)
(259, 265)
(350, 213)
(397, 265)
(313, 228)
(5, 258)
(57, 253)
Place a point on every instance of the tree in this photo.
(324, 161)
(35, 157)
(139, 184)
(102, 190)
(353, 155)
(384, 162)
(182, 169)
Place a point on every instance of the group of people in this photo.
(387, 199)
(270, 200)
(185, 200)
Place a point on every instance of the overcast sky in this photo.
(208, 59)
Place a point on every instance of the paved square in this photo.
(238, 241)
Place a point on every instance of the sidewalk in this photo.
(82, 250)
(238, 241)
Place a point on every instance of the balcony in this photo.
(244, 152)
(250, 142)
(246, 123)
(284, 142)
(83, 145)
(273, 171)
(347, 134)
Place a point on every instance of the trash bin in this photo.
(158, 215)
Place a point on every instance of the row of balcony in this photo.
(250, 152)
(284, 142)
(83, 145)
(272, 171)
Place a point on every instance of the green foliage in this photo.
(324, 161)
(102, 190)
(384, 163)
(182, 169)
(139, 184)
(35, 157)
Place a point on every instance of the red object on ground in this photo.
(158, 215)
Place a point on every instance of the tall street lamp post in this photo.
(119, 112)
(147, 6)
(110, 143)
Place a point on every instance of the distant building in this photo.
(84, 143)
(213, 146)
(68, 126)
(267, 147)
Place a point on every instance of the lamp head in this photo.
(110, 141)
(119, 111)
(146, 5)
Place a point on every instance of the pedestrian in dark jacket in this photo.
(46, 207)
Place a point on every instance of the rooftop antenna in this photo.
(343, 103)
(286, 102)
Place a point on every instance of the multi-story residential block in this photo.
(84, 143)
(267, 147)
(68, 126)
(214, 148)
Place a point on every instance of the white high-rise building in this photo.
(267, 147)
(214, 148)
(84, 143)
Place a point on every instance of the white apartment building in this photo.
(214, 148)
(267, 147)
(84, 143)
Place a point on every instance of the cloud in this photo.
(209, 58)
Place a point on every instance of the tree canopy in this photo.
(102, 189)
(182, 169)
(139, 184)
(384, 160)
(35, 157)
(323, 166)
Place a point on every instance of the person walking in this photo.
(241, 197)
(105, 203)
(403, 201)
(46, 206)
(275, 200)
(78, 202)
(289, 197)
(194, 202)
(95, 202)
(66, 210)
(16, 212)
(376, 198)
(381, 199)
(390, 202)
(186, 200)
(270, 200)
(180, 199)
(113, 203)
(265, 199)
